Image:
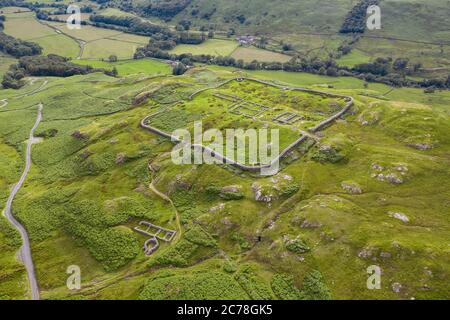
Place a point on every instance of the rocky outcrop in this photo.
(399, 216)
(218, 208)
(351, 187)
(79, 135)
(397, 287)
(262, 194)
(393, 178)
(121, 158)
(309, 224)
(233, 192)
(421, 146)
(369, 118)
(394, 174)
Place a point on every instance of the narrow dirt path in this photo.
(25, 250)
(81, 43)
(27, 94)
(167, 199)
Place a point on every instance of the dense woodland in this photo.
(16, 47)
(51, 65)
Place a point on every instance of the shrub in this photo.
(297, 246)
(290, 190)
(314, 287)
(326, 153)
(254, 285)
(193, 286)
(284, 288)
(112, 247)
(177, 255)
(232, 195)
(229, 267)
(18, 48)
(200, 237)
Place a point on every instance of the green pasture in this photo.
(124, 68)
(214, 47)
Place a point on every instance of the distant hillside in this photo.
(412, 19)
(264, 16)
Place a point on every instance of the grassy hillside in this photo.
(312, 26)
(371, 189)
(268, 16)
(84, 196)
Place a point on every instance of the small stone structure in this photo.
(154, 232)
(145, 123)
(150, 246)
(288, 118)
(242, 107)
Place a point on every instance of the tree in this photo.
(400, 64)
(179, 69)
(114, 72)
(112, 58)
(287, 47)
(417, 67)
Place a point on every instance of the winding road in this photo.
(25, 250)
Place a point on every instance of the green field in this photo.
(353, 58)
(251, 53)
(5, 62)
(116, 12)
(214, 47)
(220, 47)
(28, 28)
(55, 37)
(101, 43)
(124, 68)
(312, 27)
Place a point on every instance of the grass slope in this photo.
(84, 196)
